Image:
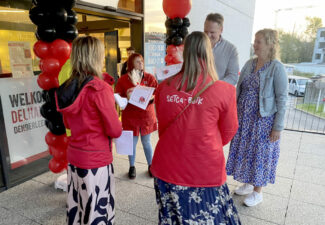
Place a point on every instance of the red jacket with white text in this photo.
(91, 116)
(190, 151)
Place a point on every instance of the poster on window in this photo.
(21, 100)
(20, 59)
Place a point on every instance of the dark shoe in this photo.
(132, 172)
(150, 174)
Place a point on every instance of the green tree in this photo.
(296, 48)
(313, 23)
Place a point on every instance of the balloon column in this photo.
(55, 21)
(177, 28)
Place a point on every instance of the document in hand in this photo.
(122, 102)
(141, 96)
(168, 71)
(124, 144)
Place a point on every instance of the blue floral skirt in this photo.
(195, 205)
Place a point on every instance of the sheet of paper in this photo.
(20, 59)
(141, 96)
(163, 73)
(124, 144)
(122, 102)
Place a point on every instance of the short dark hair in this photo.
(130, 49)
(215, 17)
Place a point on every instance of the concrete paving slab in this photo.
(248, 220)
(36, 201)
(288, 157)
(125, 218)
(286, 170)
(281, 187)
(313, 144)
(290, 141)
(310, 175)
(308, 193)
(272, 209)
(300, 213)
(48, 178)
(315, 161)
(129, 195)
(9, 217)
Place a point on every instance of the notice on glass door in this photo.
(20, 59)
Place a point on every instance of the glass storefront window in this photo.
(15, 26)
(155, 47)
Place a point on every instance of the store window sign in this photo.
(112, 3)
(25, 127)
(20, 59)
(154, 56)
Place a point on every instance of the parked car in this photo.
(297, 85)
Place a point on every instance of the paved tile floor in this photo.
(297, 197)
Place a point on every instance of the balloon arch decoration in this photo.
(177, 28)
(55, 21)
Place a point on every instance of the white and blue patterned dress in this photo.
(252, 157)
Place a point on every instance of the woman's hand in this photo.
(129, 92)
(275, 135)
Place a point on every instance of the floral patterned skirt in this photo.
(195, 205)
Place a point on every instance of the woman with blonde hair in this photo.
(261, 95)
(197, 117)
(88, 108)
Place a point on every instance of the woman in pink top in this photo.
(188, 163)
(88, 108)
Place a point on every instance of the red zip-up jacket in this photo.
(190, 150)
(93, 121)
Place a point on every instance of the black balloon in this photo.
(48, 111)
(168, 23)
(38, 15)
(67, 32)
(68, 4)
(55, 128)
(72, 17)
(186, 22)
(168, 41)
(46, 33)
(183, 31)
(177, 40)
(177, 22)
(171, 32)
(49, 96)
(58, 16)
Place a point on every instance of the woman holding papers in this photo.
(197, 116)
(141, 122)
(88, 108)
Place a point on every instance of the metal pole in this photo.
(318, 100)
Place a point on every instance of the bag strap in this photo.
(190, 103)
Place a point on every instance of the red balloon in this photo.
(168, 58)
(42, 49)
(177, 8)
(171, 49)
(59, 154)
(60, 50)
(50, 65)
(56, 140)
(57, 166)
(47, 81)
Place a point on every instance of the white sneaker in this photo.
(253, 199)
(244, 189)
